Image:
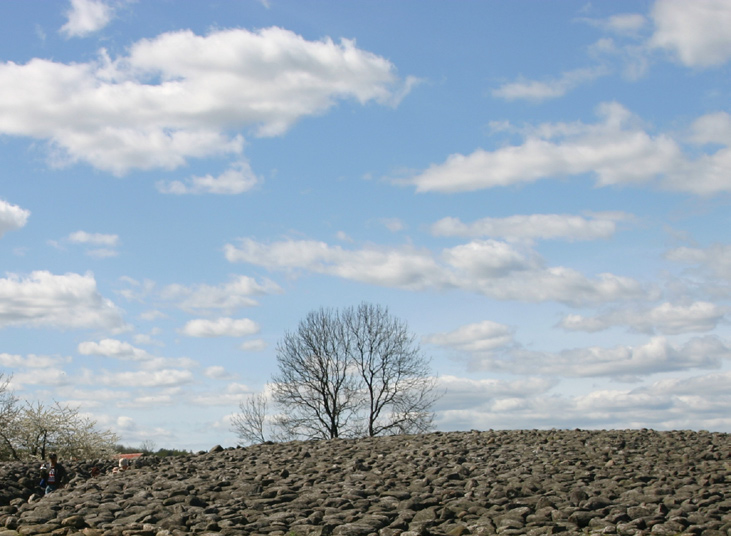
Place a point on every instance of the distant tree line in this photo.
(343, 373)
(32, 430)
(149, 448)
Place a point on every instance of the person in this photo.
(55, 474)
(44, 476)
(123, 465)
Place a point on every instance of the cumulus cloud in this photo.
(86, 17)
(113, 348)
(465, 393)
(666, 318)
(493, 268)
(534, 226)
(714, 260)
(695, 32)
(29, 361)
(220, 327)
(144, 378)
(60, 301)
(236, 180)
(405, 267)
(124, 351)
(699, 402)
(12, 217)
(483, 336)
(180, 96)
(217, 373)
(230, 296)
(230, 396)
(536, 91)
(616, 151)
(713, 128)
(621, 362)
(51, 376)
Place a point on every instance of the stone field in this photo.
(452, 484)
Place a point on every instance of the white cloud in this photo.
(96, 239)
(126, 423)
(180, 95)
(123, 350)
(715, 259)
(152, 315)
(30, 361)
(490, 259)
(113, 348)
(60, 301)
(12, 217)
(712, 128)
(102, 253)
(88, 399)
(221, 327)
(696, 403)
(534, 226)
(86, 17)
(236, 180)
(483, 336)
(147, 402)
(534, 90)
(697, 31)
(138, 290)
(634, 58)
(231, 396)
(393, 224)
(626, 23)
(93, 239)
(712, 385)
(161, 363)
(488, 267)
(217, 373)
(254, 345)
(50, 376)
(227, 297)
(144, 378)
(616, 151)
(469, 394)
(11, 360)
(405, 267)
(623, 363)
(144, 338)
(623, 24)
(666, 318)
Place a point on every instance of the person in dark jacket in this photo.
(55, 475)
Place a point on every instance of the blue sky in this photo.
(540, 190)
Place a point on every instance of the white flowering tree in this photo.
(32, 430)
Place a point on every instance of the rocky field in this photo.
(452, 484)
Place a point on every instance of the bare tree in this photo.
(350, 374)
(314, 388)
(250, 423)
(397, 385)
(148, 446)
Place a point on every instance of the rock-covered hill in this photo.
(452, 484)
